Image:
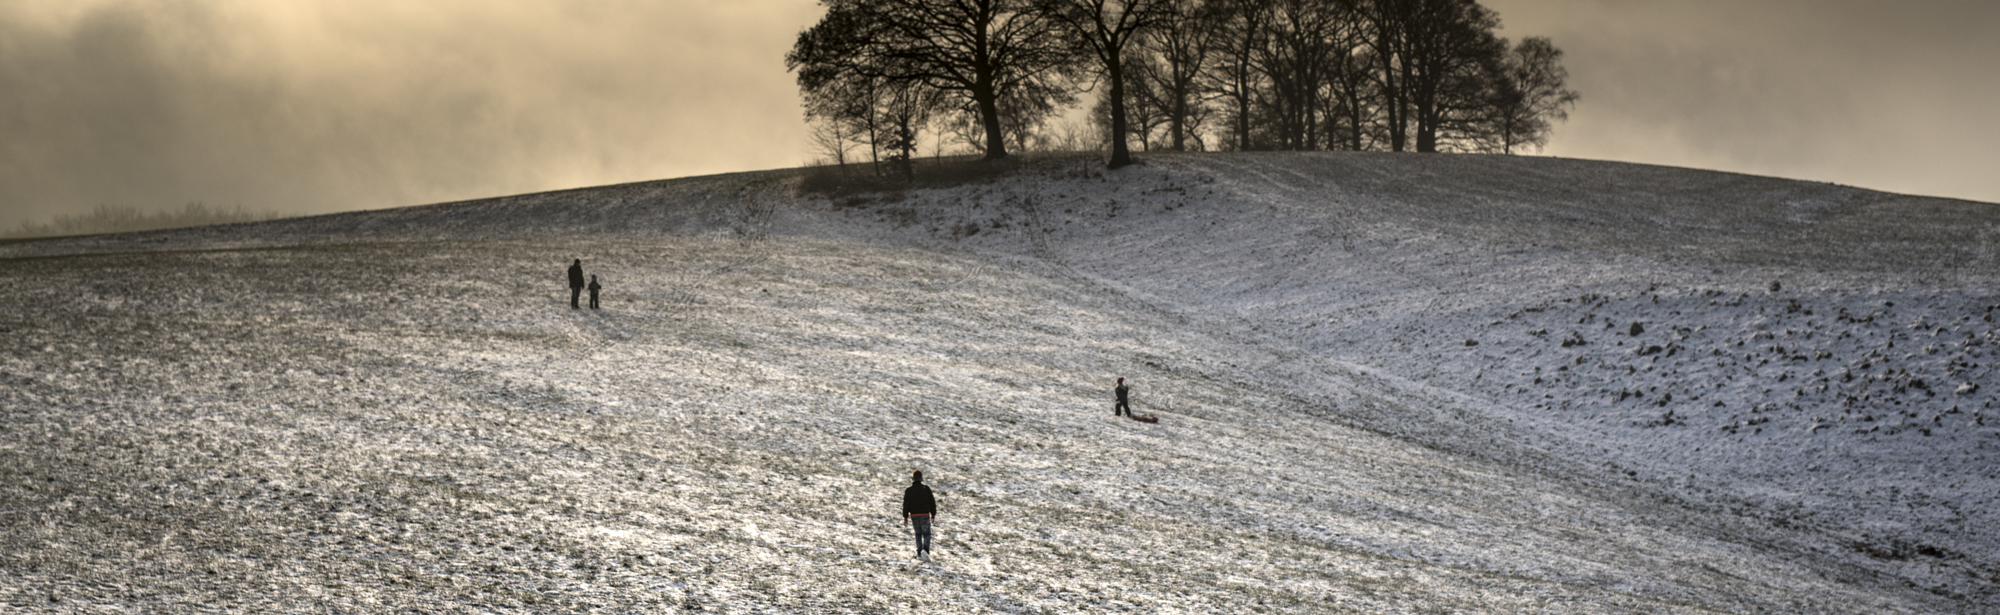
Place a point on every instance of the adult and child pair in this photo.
(576, 285)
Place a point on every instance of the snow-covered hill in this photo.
(1584, 297)
(1388, 383)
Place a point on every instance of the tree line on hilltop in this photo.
(1179, 75)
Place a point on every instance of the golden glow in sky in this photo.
(306, 106)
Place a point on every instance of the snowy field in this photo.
(1386, 383)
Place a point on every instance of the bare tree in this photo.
(1344, 107)
(1107, 28)
(989, 53)
(1178, 47)
(1146, 111)
(1352, 99)
(1442, 53)
(832, 139)
(1423, 75)
(1387, 41)
(1530, 95)
(1306, 39)
(1233, 76)
(846, 104)
(905, 109)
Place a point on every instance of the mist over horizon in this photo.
(306, 108)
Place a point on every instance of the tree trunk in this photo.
(1399, 112)
(1242, 112)
(989, 115)
(1121, 155)
(1427, 117)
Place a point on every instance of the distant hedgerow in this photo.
(108, 219)
(837, 181)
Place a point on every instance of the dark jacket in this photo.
(917, 500)
(576, 276)
(1122, 392)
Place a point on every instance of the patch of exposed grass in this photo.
(843, 184)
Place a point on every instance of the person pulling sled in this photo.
(1124, 405)
(1124, 394)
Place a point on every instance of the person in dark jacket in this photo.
(575, 282)
(594, 287)
(918, 510)
(1124, 393)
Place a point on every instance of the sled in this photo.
(1145, 419)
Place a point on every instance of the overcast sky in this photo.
(307, 106)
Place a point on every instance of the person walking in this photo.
(575, 282)
(594, 287)
(1124, 393)
(919, 508)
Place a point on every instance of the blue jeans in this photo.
(922, 526)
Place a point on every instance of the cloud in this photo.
(321, 106)
(1885, 95)
(311, 106)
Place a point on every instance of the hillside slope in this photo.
(392, 409)
(1805, 352)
